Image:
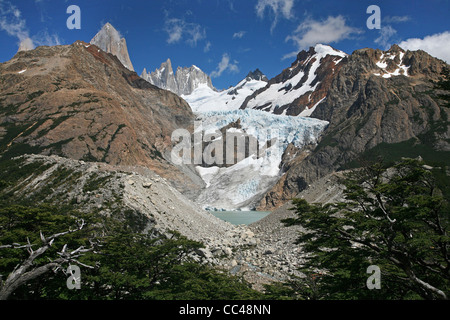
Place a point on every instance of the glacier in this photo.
(242, 185)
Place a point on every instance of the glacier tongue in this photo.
(242, 185)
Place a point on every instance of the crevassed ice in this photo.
(243, 184)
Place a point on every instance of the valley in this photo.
(80, 129)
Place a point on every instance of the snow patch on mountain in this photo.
(391, 64)
(286, 92)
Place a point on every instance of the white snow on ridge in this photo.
(308, 112)
(324, 50)
(281, 94)
(204, 99)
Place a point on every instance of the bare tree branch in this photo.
(22, 273)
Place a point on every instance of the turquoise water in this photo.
(240, 217)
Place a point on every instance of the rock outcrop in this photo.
(80, 102)
(301, 87)
(183, 82)
(109, 40)
(378, 98)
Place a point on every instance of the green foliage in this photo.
(394, 218)
(95, 183)
(394, 152)
(126, 265)
(23, 225)
(136, 266)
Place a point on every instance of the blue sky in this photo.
(229, 38)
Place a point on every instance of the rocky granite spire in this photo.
(109, 40)
(183, 82)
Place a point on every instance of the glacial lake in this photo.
(240, 217)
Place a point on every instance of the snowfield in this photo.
(204, 99)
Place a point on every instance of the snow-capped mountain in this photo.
(205, 99)
(299, 89)
(109, 40)
(242, 185)
(183, 82)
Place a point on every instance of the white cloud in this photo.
(225, 65)
(45, 39)
(396, 19)
(207, 47)
(174, 29)
(239, 35)
(311, 32)
(437, 45)
(178, 29)
(26, 45)
(279, 8)
(12, 22)
(386, 34)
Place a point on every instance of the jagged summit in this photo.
(109, 40)
(376, 102)
(80, 102)
(257, 75)
(299, 89)
(183, 82)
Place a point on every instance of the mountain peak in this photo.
(109, 40)
(325, 49)
(108, 26)
(257, 75)
(183, 82)
(298, 90)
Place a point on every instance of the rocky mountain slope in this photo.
(183, 82)
(301, 87)
(378, 103)
(109, 40)
(147, 203)
(80, 102)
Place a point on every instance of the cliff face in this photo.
(377, 100)
(109, 40)
(299, 89)
(80, 102)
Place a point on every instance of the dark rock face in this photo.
(376, 97)
(80, 102)
(256, 75)
(307, 81)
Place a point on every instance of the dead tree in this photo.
(27, 271)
